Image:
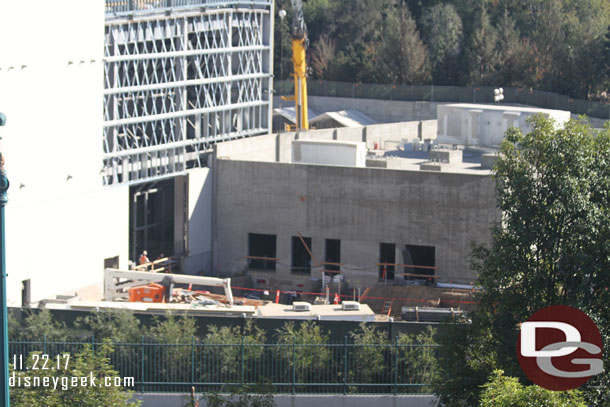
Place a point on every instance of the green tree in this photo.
(551, 248)
(510, 53)
(404, 55)
(418, 355)
(482, 53)
(223, 350)
(442, 32)
(39, 325)
(305, 344)
(370, 354)
(118, 325)
(502, 391)
(358, 37)
(173, 360)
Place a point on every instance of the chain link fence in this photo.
(445, 94)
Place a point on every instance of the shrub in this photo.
(503, 391)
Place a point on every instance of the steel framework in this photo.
(179, 80)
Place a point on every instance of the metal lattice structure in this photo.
(178, 80)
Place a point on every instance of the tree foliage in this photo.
(442, 30)
(85, 363)
(502, 391)
(404, 54)
(553, 45)
(551, 248)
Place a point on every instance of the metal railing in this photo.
(390, 368)
(125, 7)
(444, 94)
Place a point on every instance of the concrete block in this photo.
(488, 161)
(376, 163)
(446, 156)
(430, 166)
(332, 152)
(428, 129)
(350, 133)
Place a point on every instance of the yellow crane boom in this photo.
(299, 44)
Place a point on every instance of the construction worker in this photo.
(144, 258)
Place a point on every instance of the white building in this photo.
(485, 125)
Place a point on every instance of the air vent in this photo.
(300, 306)
(351, 306)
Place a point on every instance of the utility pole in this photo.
(4, 392)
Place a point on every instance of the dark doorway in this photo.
(301, 259)
(387, 254)
(332, 254)
(419, 256)
(260, 245)
(151, 219)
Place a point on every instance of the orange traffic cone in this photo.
(336, 300)
(277, 297)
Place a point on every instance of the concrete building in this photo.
(285, 223)
(112, 109)
(485, 125)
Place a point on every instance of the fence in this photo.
(289, 368)
(443, 94)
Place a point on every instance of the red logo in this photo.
(560, 348)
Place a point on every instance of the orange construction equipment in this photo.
(277, 297)
(336, 300)
(147, 293)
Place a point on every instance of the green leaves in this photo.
(94, 365)
(551, 248)
(502, 391)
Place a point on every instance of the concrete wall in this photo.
(345, 153)
(360, 206)
(199, 241)
(350, 133)
(386, 136)
(383, 111)
(260, 148)
(61, 223)
(281, 400)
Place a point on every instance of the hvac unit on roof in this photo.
(300, 306)
(350, 306)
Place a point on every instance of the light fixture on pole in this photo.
(4, 358)
(498, 94)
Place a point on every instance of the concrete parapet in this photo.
(431, 166)
(488, 161)
(446, 156)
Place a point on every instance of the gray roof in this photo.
(346, 118)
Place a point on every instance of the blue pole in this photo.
(4, 358)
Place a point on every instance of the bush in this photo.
(312, 358)
(418, 354)
(121, 326)
(223, 350)
(370, 356)
(83, 364)
(502, 391)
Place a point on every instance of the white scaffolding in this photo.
(178, 80)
